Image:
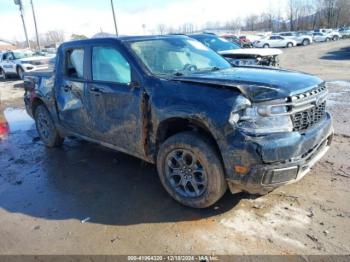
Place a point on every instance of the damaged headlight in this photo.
(261, 119)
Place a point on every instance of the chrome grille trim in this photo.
(300, 102)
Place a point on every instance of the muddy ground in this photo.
(85, 199)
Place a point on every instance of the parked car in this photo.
(275, 41)
(17, 62)
(344, 33)
(332, 34)
(237, 55)
(301, 39)
(205, 124)
(321, 37)
(232, 38)
(245, 41)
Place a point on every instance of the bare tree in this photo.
(234, 24)
(161, 29)
(55, 36)
(250, 22)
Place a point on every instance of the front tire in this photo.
(46, 127)
(2, 74)
(20, 72)
(306, 42)
(266, 46)
(190, 170)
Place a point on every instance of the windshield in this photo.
(177, 56)
(22, 54)
(216, 43)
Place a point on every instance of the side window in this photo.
(272, 38)
(8, 56)
(109, 65)
(74, 63)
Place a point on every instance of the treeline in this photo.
(299, 15)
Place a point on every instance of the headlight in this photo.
(262, 119)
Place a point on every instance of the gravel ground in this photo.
(85, 199)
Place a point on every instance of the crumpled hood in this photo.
(257, 83)
(252, 51)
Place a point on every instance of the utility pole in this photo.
(36, 28)
(115, 22)
(20, 5)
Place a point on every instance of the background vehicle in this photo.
(237, 55)
(19, 61)
(232, 38)
(332, 34)
(301, 39)
(321, 37)
(245, 41)
(205, 124)
(344, 33)
(275, 41)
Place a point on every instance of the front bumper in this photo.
(277, 159)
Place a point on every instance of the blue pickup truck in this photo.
(171, 101)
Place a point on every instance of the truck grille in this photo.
(308, 118)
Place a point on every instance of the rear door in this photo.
(114, 103)
(70, 91)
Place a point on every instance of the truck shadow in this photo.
(341, 54)
(83, 180)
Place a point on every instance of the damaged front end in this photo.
(251, 60)
(276, 142)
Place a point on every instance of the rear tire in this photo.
(46, 127)
(327, 39)
(190, 170)
(290, 45)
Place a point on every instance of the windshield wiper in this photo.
(215, 68)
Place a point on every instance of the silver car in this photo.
(17, 62)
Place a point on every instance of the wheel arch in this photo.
(19, 66)
(35, 103)
(175, 125)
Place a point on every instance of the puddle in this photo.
(18, 119)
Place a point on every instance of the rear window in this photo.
(74, 65)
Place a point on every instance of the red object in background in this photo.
(4, 128)
(244, 38)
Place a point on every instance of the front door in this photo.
(114, 104)
(9, 64)
(70, 94)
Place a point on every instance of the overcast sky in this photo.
(90, 16)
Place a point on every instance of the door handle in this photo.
(67, 88)
(95, 90)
